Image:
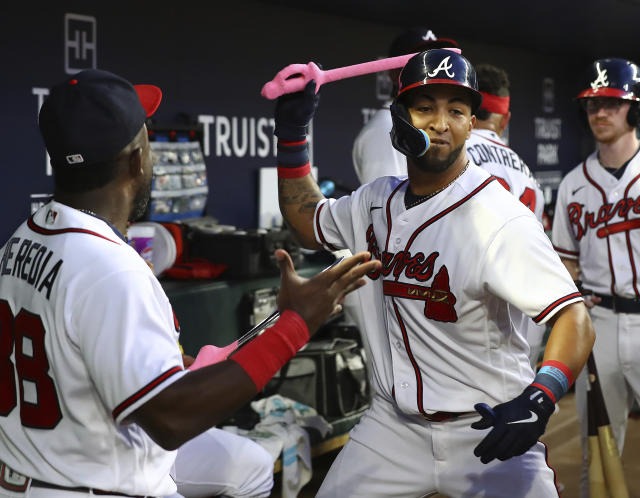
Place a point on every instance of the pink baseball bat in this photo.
(295, 77)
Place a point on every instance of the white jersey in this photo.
(89, 336)
(487, 150)
(438, 315)
(373, 155)
(597, 222)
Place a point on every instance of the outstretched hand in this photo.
(317, 298)
(517, 425)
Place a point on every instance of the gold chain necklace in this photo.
(432, 194)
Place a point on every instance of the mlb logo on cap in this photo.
(75, 159)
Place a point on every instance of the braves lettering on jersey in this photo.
(453, 270)
(597, 221)
(487, 150)
(87, 336)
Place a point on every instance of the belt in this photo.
(619, 304)
(14, 481)
(41, 484)
(444, 416)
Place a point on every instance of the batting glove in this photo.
(294, 111)
(517, 425)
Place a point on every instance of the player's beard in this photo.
(140, 200)
(430, 163)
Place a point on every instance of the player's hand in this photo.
(294, 111)
(517, 425)
(320, 297)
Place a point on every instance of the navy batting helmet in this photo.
(432, 67)
(616, 78)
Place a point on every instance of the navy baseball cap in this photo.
(93, 115)
(418, 40)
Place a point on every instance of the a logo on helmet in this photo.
(429, 36)
(601, 80)
(443, 66)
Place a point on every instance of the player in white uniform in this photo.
(458, 254)
(93, 394)
(486, 149)
(373, 155)
(595, 231)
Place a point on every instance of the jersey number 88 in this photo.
(31, 367)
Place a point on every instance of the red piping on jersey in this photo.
(151, 385)
(555, 304)
(416, 368)
(388, 210)
(323, 241)
(492, 141)
(45, 231)
(628, 236)
(446, 211)
(604, 201)
(564, 251)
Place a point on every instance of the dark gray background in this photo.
(214, 59)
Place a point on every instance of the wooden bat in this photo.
(605, 466)
(295, 77)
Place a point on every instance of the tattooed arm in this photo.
(298, 199)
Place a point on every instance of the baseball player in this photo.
(486, 149)
(458, 254)
(595, 234)
(93, 394)
(373, 155)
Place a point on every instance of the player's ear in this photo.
(472, 124)
(135, 162)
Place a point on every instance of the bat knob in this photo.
(269, 90)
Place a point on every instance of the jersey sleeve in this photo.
(332, 224)
(128, 339)
(564, 241)
(521, 267)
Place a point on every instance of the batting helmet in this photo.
(617, 78)
(432, 67)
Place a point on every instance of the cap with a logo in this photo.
(418, 40)
(93, 115)
(618, 78)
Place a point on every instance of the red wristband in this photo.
(298, 172)
(267, 353)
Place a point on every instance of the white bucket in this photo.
(163, 252)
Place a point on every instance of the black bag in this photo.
(328, 375)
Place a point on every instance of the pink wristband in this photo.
(267, 353)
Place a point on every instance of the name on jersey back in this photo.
(31, 262)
